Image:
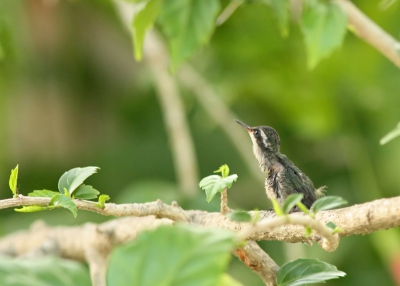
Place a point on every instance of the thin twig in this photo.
(182, 146)
(224, 201)
(221, 114)
(369, 31)
(329, 242)
(228, 11)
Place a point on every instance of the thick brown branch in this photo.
(254, 257)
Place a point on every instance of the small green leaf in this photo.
(306, 271)
(240, 216)
(31, 209)
(326, 203)
(303, 208)
(277, 208)
(13, 181)
(179, 255)
(256, 216)
(290, 202)
(187, 25)
(331, 225)
(146, 14)
(224, 170)
(214, 184)
(102, 200)
(308, 231)
(72, 179)
(391, 135)
(64, 202)
(42, 193)
(85, 192)
(281, 8)
(324, 26)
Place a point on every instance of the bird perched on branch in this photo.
(283, 178)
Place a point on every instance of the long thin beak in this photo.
(244, 125)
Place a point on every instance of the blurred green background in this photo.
(71, 95)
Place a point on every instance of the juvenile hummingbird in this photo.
(283, 178)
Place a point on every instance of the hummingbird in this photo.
(283, 177)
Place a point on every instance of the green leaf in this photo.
(331, 225)
(64, 202)
(281, 8)
(31, 209)
(72, 179)
(306, 271)
(214, 184)
(290, 202)
(44, 271)
(102, 200)
(146, 14)
(224, 170)
(324, 26)
(308, 231)
(86, 192)
(42, 193)
(277, 208)
(327, 203)
(180, 255)
(13, 181)
(188, 25)
(391, 135)
(240, 216)
(303, 208)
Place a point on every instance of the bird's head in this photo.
(265, 138)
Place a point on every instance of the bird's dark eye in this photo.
(256, 132)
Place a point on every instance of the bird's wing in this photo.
(295, 181)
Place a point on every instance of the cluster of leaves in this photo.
(216, 184)
(70, 186)
(189, 24)
(324, 203)
(297, 272)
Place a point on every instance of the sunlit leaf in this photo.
(327, 203)
(277, 208)
(290, 202)
(224, 170)
(72, 179)
(13, 181)
(64, 202)
(145, 15)
(306, 271)
(323, 24)
(31, 209)
(85, 192)
(179, 256)
(43, 193)
(240, 216)
(188, 25)
(308, 231)
(214, 184)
